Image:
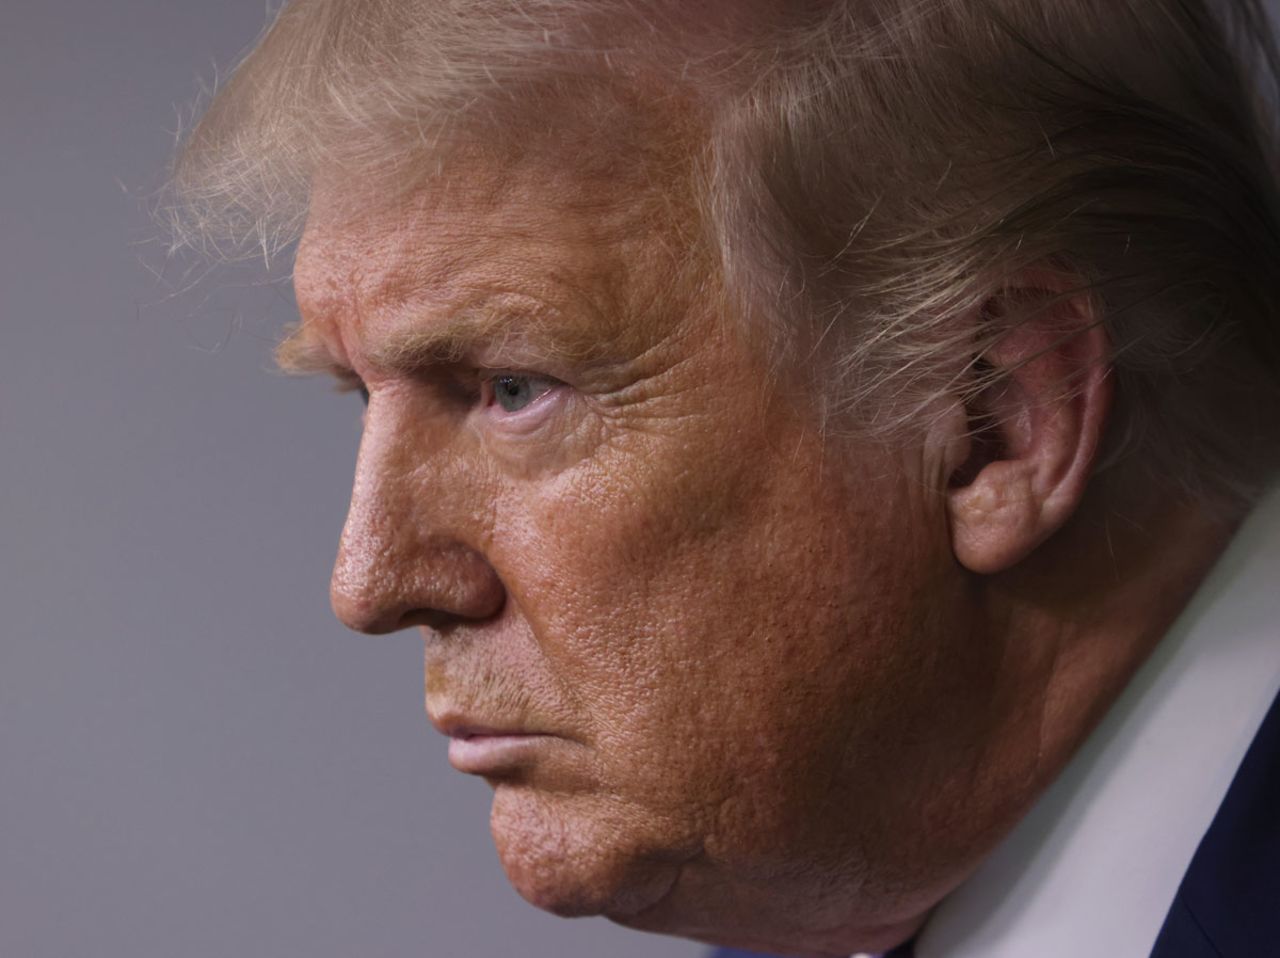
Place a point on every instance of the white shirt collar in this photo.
(1097, 861)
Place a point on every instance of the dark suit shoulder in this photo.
(1228, 905)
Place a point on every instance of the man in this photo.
(791, 426)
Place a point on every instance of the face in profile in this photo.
(701, 651)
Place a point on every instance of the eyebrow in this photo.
(303, 353)
(448, 341)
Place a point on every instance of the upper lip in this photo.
(464, 728)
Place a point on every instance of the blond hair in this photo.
(865, 169)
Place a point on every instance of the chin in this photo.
(577, 856)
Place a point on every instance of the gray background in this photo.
(196, 759)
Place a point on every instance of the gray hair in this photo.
(863, 171)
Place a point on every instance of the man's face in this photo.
(703, 655)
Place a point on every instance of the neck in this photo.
(1090, 608)
(1077, 620)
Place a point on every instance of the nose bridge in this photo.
(410, 547)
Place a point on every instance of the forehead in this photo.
(597, 244)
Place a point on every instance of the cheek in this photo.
(721, 630)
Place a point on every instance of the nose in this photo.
(404, 558)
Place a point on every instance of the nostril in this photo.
(436, 584)
(440, 621)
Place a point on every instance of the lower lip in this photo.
(487, 754)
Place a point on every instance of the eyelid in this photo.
(348, 381)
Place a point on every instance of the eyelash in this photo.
(347, 382)
(488, 390)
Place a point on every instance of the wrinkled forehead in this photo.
(534, 226)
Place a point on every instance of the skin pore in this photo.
(780, 692)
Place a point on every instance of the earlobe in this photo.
(997, 519)
(1035, 426)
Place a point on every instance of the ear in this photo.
(1036, 429)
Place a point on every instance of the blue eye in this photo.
(513, 392)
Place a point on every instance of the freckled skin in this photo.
(782, 719)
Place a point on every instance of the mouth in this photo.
(481, 748)
(491, 752)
